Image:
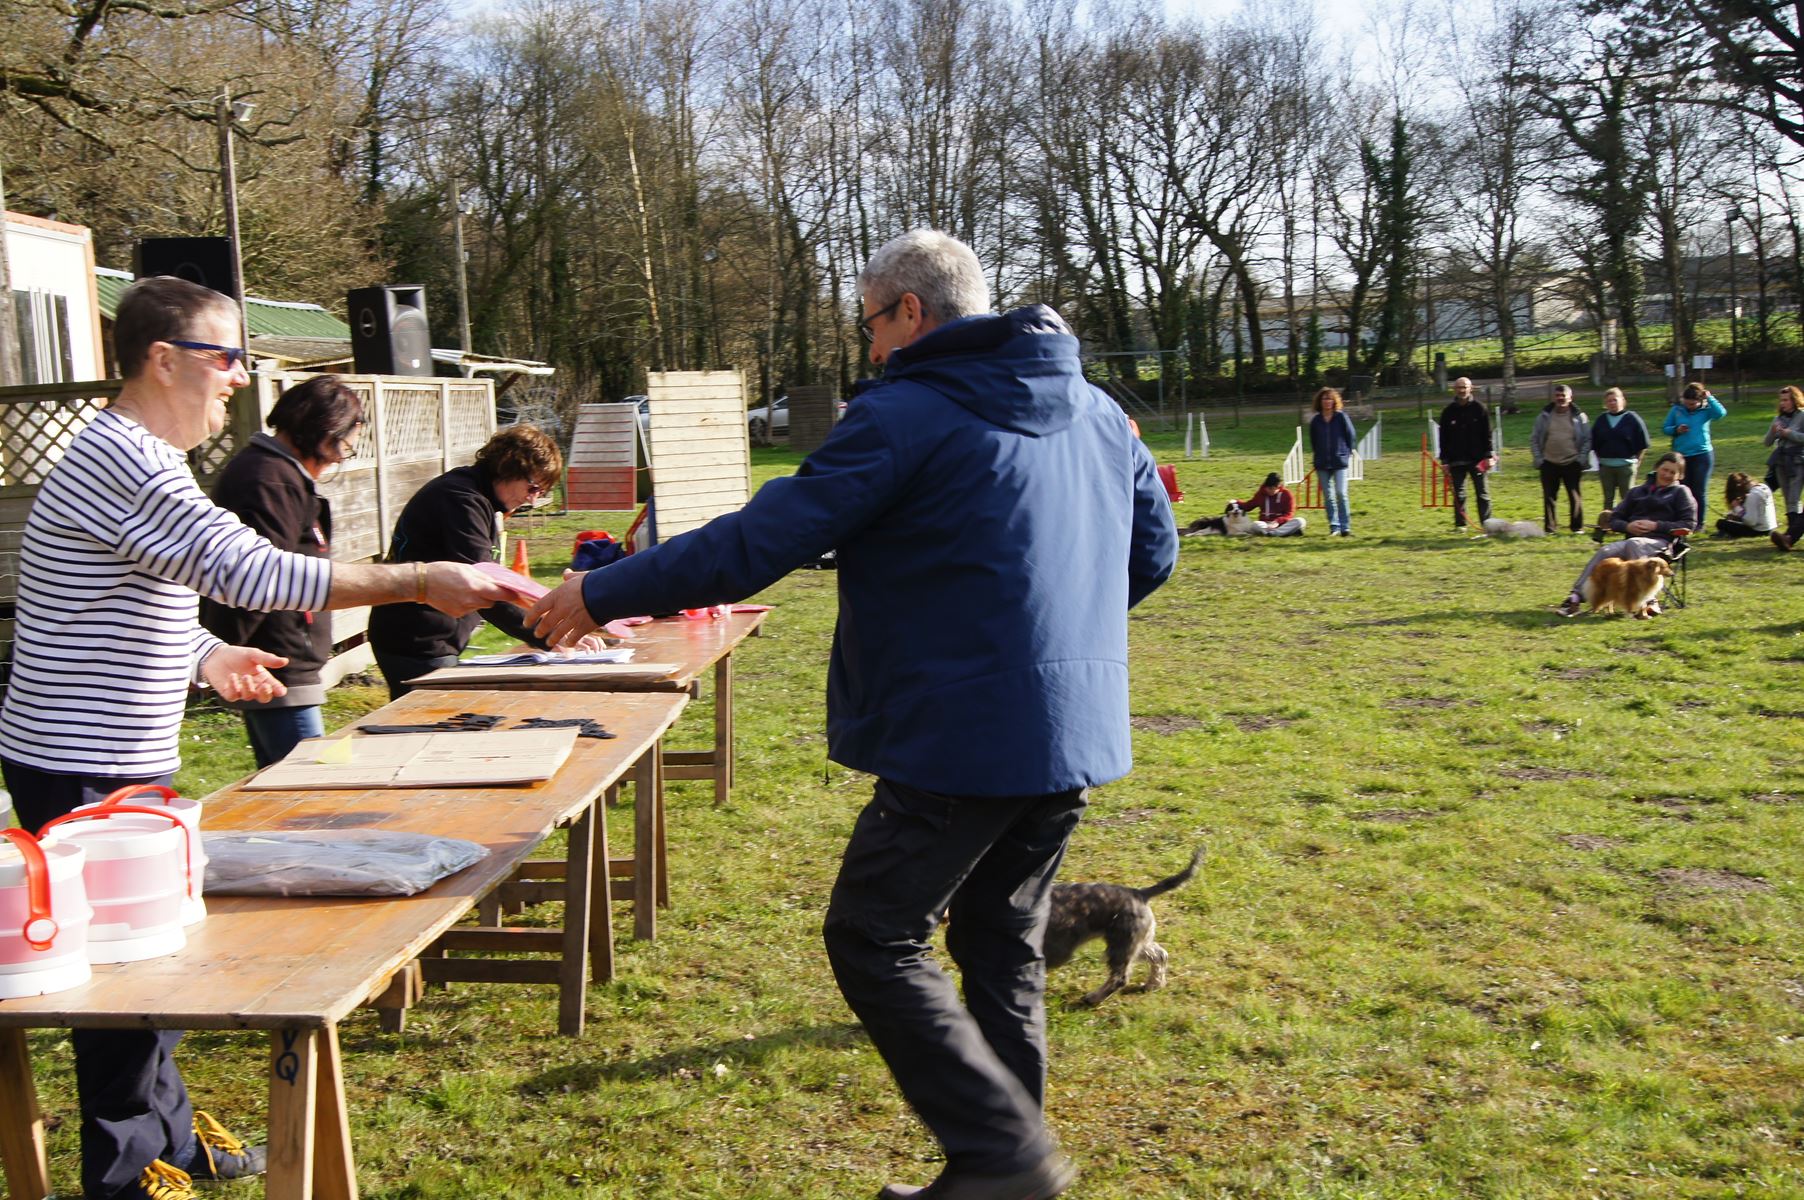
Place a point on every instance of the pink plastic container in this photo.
(136, 876)
(166, 799)
(44, 916)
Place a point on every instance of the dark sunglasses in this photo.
(233, 355)
(864, 325)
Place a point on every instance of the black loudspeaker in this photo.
(203, 260)
(389, 334)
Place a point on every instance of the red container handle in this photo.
(100, 814)
(40, 927)
(139, 789)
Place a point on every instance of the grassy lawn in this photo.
(1496, 904)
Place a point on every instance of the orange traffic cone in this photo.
(519, 566)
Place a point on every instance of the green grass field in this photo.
(1496, 904)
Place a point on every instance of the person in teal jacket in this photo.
(1689, 425)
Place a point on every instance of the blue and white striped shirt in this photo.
(120, 544)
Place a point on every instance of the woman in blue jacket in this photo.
(1689, 424)
(1332, 439)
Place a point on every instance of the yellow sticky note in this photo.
(335, 750)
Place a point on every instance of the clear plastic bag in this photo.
(332, 862)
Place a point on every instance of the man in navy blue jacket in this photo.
(994, 519)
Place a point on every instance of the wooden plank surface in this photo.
(692, 646)
(272, 962)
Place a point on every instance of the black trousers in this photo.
(1555, 476)
(134, 1106)
(975, 1072)
(400, 670)
(1458, 473)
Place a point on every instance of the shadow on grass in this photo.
(1514, 618)
(696, 1059)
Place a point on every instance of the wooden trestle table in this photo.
(296, 966)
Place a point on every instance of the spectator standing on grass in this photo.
(984, 490)
(1750, 506)
(1652, 516)
(269, 485)
(1619, 439)
(1688, 422)
(1560, 445)
(1332, 440)
(117, 545)
(1786, 463)
(1466, 450)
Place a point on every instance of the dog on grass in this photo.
(1232, 523)
(1627, 586)
(1121, 916)
(1497, 527)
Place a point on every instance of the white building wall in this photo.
(57, 260)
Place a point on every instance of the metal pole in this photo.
(229, 183)
(463, 282)
(1734, 308)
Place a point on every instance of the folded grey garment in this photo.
(331, 862)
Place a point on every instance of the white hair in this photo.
(940, 270)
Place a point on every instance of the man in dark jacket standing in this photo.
(1466, 450)
(994, 520)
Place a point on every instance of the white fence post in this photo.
(1294, 470)
(1202, 431)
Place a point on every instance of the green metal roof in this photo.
(268, 318)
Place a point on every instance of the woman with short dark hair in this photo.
(458, 516)
(269, 484)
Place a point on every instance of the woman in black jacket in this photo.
(269, 484)
(458, 517)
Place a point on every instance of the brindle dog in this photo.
(1082, 912)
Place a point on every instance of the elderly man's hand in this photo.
(458, 588)
(560, 618)
(242, 673)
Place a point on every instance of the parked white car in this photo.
(778, 416)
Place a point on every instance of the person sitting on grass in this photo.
(1750, 507)
(1653, 516)
(1273, 510)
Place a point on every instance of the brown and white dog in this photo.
(1627, 586)
(1121, 916)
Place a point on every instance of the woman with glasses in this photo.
(458, 516)
(270, 486)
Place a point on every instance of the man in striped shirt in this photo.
(120, 544)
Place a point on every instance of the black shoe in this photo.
(1053, 1175)
(218, 1155)
(1782, 540)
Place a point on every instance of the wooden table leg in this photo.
(658, 828)
(601, 887)
(21, 1124)
(293, 1094)
(723, 729)
(335, 1177)
(646, 781)
(573, 966)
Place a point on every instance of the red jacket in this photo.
(1274, 505)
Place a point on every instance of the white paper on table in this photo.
(424, 760)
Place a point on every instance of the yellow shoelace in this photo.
(161, 1181)
(214, 1136)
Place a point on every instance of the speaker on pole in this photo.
(389, 333)
(203, 260)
